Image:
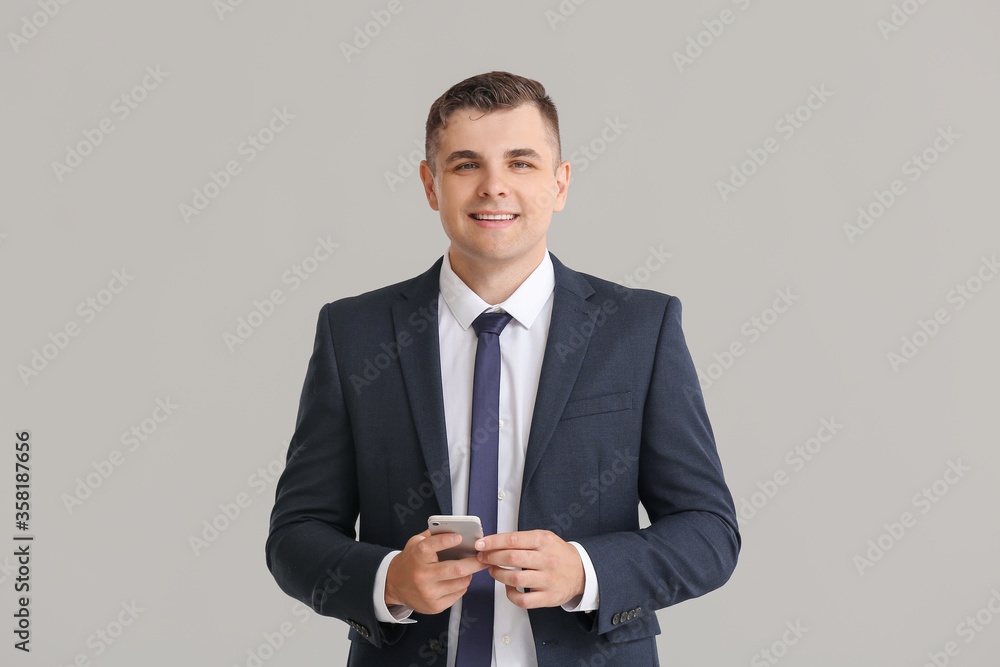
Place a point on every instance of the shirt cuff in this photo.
(397, 613)
(590, 600)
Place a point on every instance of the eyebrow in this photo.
(508, 154)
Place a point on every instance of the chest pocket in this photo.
(583, 407)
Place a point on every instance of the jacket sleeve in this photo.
(692, 544)
(311, 548)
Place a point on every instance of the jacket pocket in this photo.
(583, 407)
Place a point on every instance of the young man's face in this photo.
(493, 164)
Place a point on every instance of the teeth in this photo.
(493, 217)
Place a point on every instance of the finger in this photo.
(526, 539)
(522, 558)
(441, 597)
(530, 600)
(411, 544)
(453, 587)
(449, 601)
(519, 578)
(432, 544)
(455, 569)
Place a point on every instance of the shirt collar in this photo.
(523, 305)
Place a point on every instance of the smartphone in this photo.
(469, 527)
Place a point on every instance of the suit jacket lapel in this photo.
(420, 361)
(565, 348)
(421, 366)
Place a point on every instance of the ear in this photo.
(562, 185)
(428, 179)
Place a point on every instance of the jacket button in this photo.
(435, 645)
(615, 619)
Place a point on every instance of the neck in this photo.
(494, 282)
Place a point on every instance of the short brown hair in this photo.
(486, 93)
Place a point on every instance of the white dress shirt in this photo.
(522, 347)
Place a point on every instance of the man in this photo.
(503, 384)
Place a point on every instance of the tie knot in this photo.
(490, 323)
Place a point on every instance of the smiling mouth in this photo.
(506, 216)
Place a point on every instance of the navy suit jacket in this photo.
(618, 419)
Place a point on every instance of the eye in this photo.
(462, 167)
(521, 164)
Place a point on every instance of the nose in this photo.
(493, 183)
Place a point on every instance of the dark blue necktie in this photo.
(475, 640)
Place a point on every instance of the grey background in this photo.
(655, 185)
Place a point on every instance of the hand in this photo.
(417, 579)
(551, 567)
